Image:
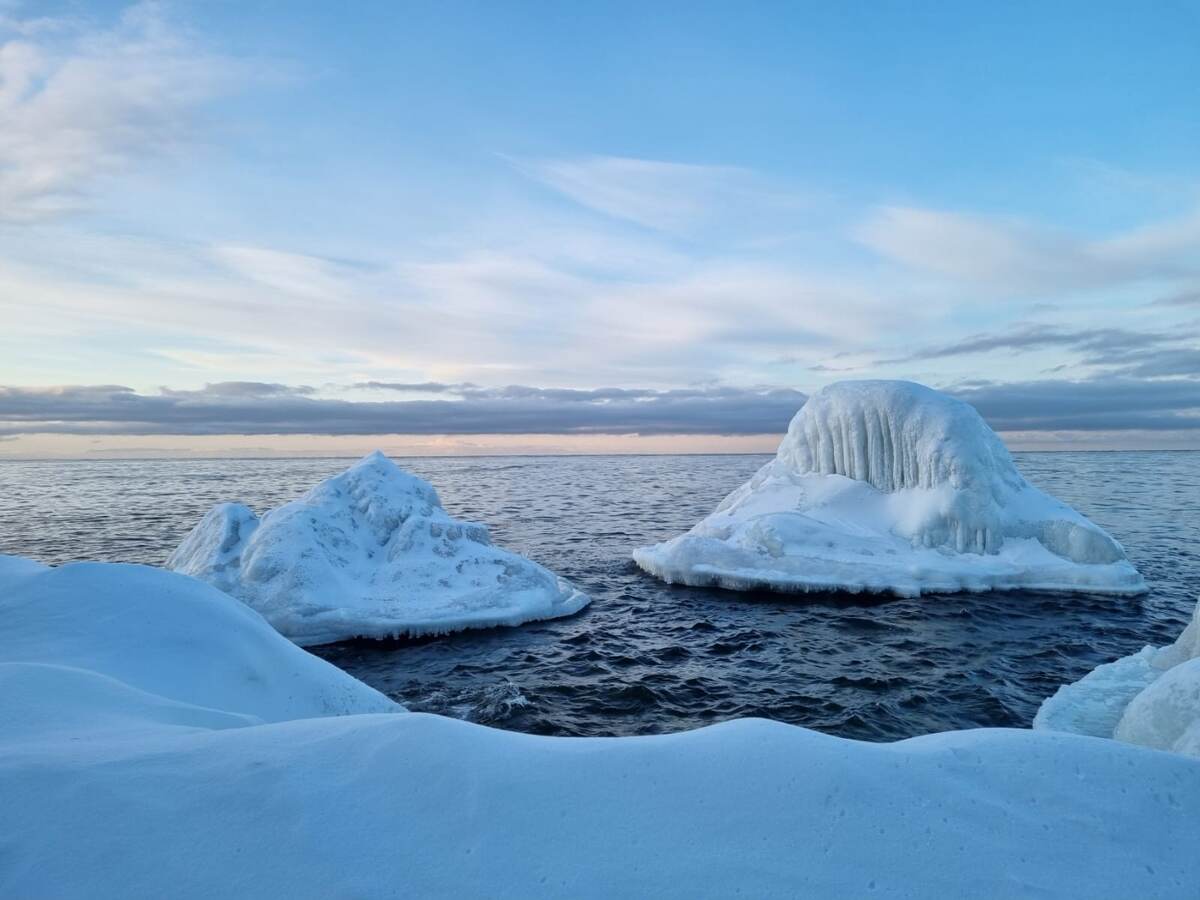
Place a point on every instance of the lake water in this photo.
(645, 657)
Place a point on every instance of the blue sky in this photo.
(223, 219)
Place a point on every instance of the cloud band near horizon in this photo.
(254, 408)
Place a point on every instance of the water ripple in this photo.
(646, 657)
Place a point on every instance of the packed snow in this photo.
(369, 553)
(889, 486)
(1151, 698)
(158, 739)
(145, 636)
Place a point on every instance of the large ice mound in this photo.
(159, 739)
(1151, 697)
(890, 486)
(369, 553)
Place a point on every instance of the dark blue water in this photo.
(649, 658)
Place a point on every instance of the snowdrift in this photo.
(152, 638)
(1151, 698)
(369, 553)
(158, 739)
(889, 486)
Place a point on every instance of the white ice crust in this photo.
(1151, 698)
(159, 739)
(889, 486)
(369, 553)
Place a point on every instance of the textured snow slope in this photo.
(1151, 697)
(141, 756)
(369, 553)
(891, 486)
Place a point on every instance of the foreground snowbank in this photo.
(142, 635)
(1151, 697)
(889, 486)
(369, 553)
(141, 755)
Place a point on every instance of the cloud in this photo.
(1105, 403)
(28, 26)
(266, 314)
(1100, 346)
(667, 196)
(299, 275)
(254, 408)
(246, 389)
(81, 103)
(421, 387)
(1181, 298)
(1011, 254)
(1160, 362)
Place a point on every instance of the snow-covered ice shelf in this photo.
(1151, 697)
(159, 739)
(369, 553)
(889, 486)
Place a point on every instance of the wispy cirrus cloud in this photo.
(1016, 255)
(528, 316)
(79, 103)
(1185, 297)
(670, 196)
(1141, 353)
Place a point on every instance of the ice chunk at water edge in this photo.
(369, 553)
(890, 486)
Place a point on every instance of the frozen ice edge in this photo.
(706, 575)
(573, 601)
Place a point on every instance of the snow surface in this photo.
(1151, 697)
(172, 641)
(889, 486)
(369, 553)
(143, 753)
(15, 567)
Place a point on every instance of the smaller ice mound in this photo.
(889, 486)
(1151, 698)
(369, 553)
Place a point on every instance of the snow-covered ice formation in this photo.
(159, 739)
(889, 486)
(1151, 697)
(369, 553)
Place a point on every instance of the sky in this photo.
(305, 228)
